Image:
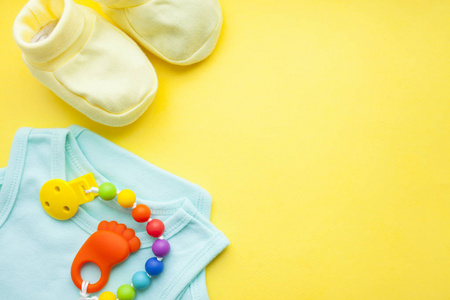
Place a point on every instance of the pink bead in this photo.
(155, 228)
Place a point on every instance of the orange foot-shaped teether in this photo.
(110, 245)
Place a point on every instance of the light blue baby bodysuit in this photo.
(37, 251)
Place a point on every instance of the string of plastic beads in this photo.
(141, 213)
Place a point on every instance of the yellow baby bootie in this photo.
(181, 32)
(85, 60)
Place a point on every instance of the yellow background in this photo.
(322, 131)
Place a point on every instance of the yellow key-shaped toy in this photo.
(60, 199)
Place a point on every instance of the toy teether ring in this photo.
(110, 245)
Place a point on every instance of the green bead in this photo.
(107, 191)
(126, 292)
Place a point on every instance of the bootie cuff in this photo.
(37, 14)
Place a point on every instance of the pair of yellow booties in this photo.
(95, 66)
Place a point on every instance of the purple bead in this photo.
(161, 247)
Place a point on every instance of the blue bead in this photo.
(140, 280)
(153, 266)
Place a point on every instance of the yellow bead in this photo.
(126, 198)
(107, 296)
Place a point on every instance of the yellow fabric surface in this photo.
(322, 131)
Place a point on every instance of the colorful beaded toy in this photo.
(112, 242)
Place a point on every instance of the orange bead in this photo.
(141, 213)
